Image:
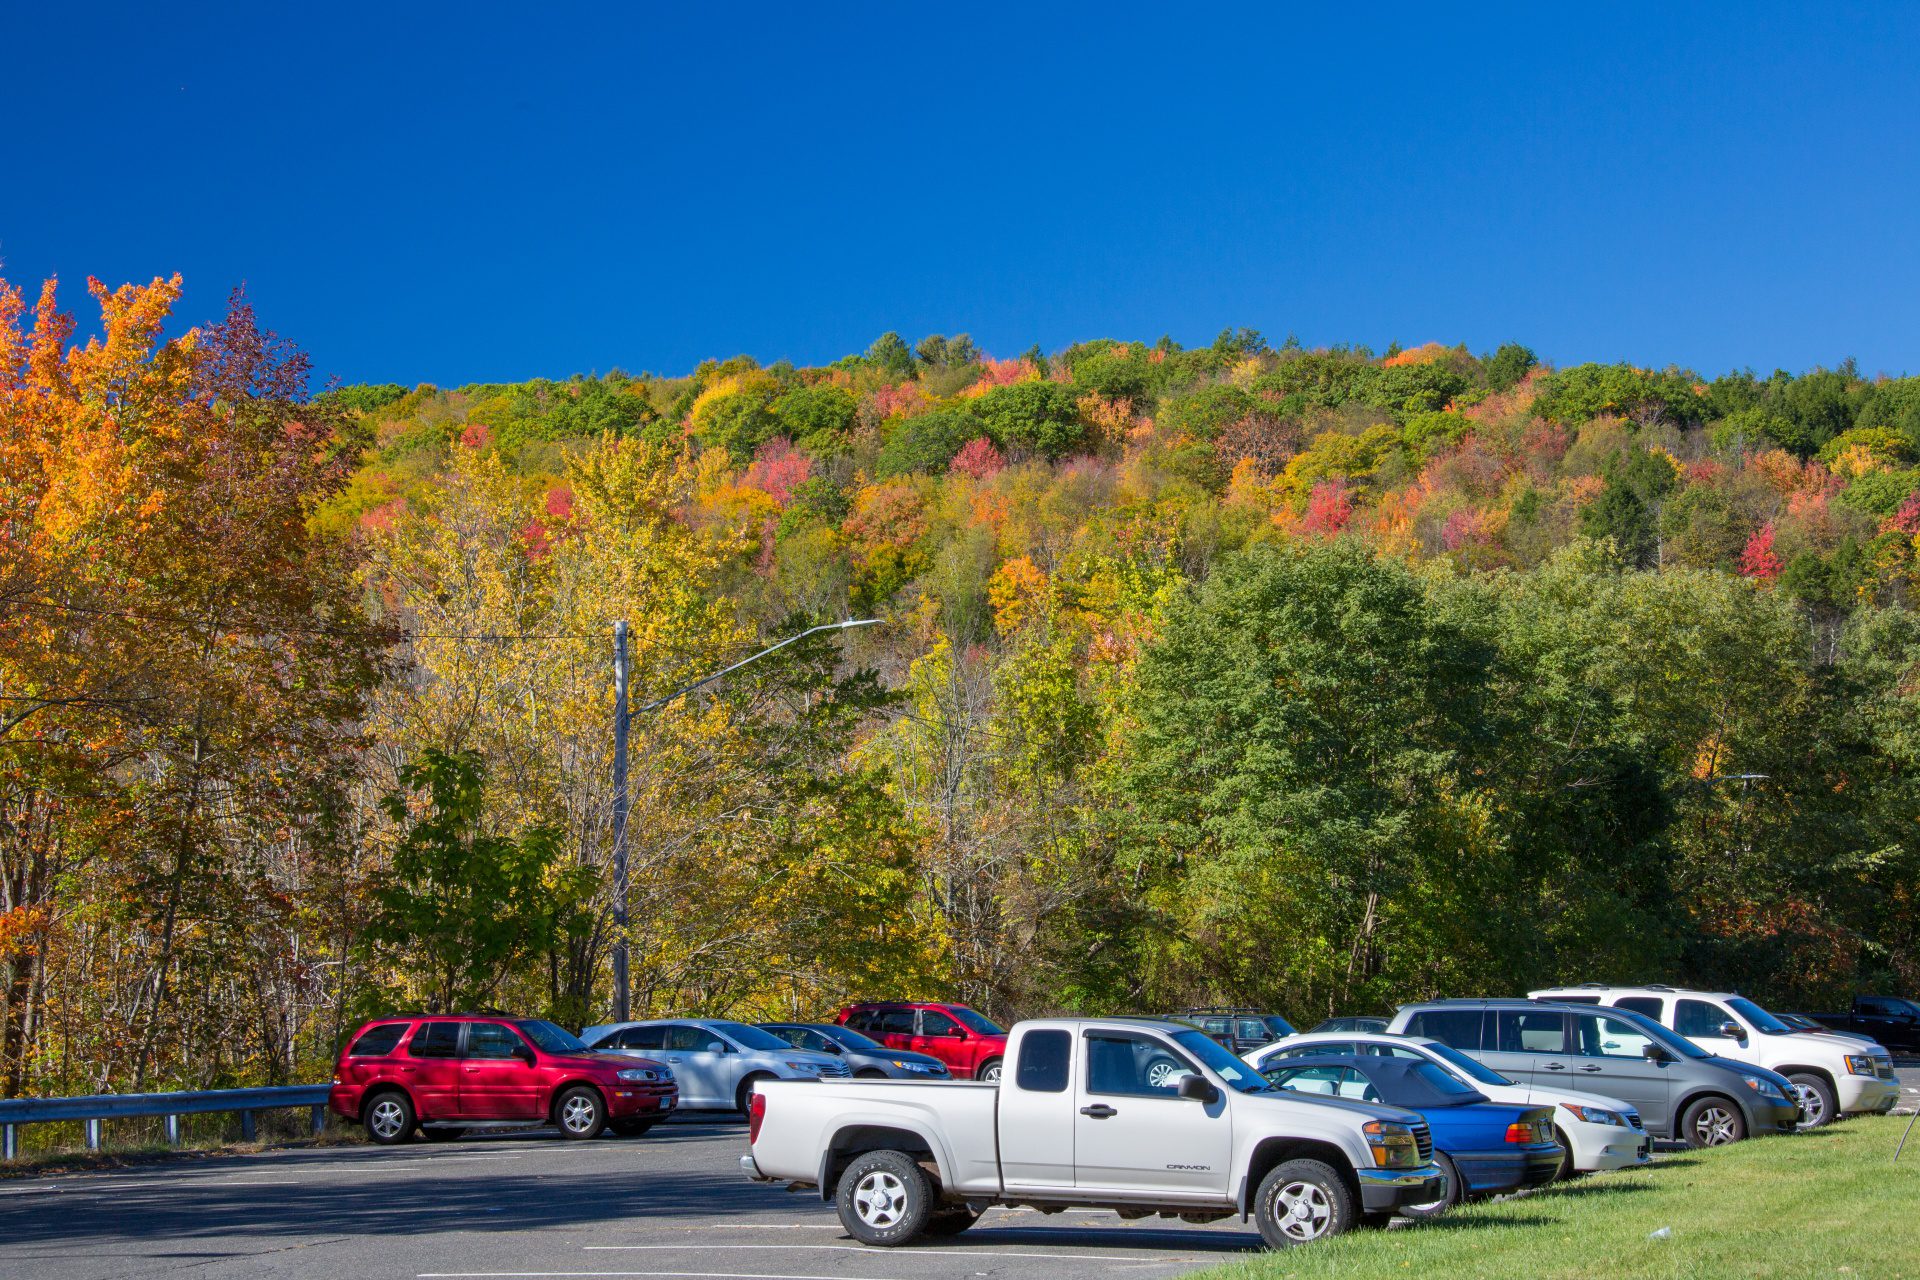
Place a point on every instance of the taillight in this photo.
(1521, 1131)
(756, 1112)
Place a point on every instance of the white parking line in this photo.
(985, 1250)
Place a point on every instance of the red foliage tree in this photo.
(1759, 559)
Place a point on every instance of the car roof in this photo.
(1498, 1002)
(1356, 1037)
(1651, 988)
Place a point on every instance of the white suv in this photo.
(1831, 1076)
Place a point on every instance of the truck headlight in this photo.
(1594, 1115)
(638, 1075)
(1861, 1064)
(1393, 1144)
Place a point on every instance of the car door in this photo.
(1134, 1137)
(1037, 1114)
(497, 1082)
(1700, 1021)
(701, 1072)
(894, 1028)
(1529, 1046)
(431, 1070)
(1610, 1058)
(939, 1030)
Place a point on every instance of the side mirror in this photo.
(716, 1046)
(1732, 1031)
(1653, 1052)
(1198, 1089)
(525, 1055)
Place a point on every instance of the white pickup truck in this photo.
(1136, 1115)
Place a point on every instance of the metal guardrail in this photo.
(108, 1106)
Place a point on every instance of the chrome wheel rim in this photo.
(577, 1114)
(880, 1199)
(1714, 1128)
(991, 1073)
(1813, 1107)
(386, 1118)
(1302, 1211)
(1161, 1074)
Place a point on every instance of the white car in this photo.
(1598, 1132)
(1831, 1076)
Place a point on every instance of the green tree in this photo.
(1042, 417)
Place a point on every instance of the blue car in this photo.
(1483, 1147)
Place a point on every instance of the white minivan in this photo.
(1831, 1076)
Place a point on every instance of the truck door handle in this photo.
(1100, 1111)
(1556, 1066)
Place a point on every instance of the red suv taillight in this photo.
(756, 1112)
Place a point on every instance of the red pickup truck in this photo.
(970, 1045)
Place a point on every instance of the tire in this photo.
(389, 1118)
(870, 1073)
(950, 1220)
(435, 1133)
(1566, 1172)
(1818, 1106)
(580, 1113)
(1162, 1073)
(744, 1095)
(630, 1128)
(884, 1199)
(1450, 1195)
(989, 1072)
(1712, 1121)
(1301, 1201)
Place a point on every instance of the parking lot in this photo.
(528, 1205)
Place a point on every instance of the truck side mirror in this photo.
(1198, 1089)
(1733, 1031)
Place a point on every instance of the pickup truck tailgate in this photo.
(803, 1120)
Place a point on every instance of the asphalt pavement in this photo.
(670, 1204)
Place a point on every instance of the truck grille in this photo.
(1423, 1138)
(1883, 1067)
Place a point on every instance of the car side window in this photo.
(491, 1040)
(894, 1022)
(641, 1038)
(795, 1036)
(1646, 1006)
(935, 1023)
(1457, 1027)
(379, 1041)
(1530, 1030)
(1699, 1018)
(1375, 1050)
(1044, 1062)
(1329, 1082)
(435, 1040)
(685, 1039)
(1251, 1029)
(1604, 1037)
(1133, 1066)
(1878, 1008)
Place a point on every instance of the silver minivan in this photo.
(716, 1061)
(1680, 1090)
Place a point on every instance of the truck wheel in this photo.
(1450, 1192)
(989, 1072)
(884, 1199)
(580, 1113)
(1712, 1122)
(950, 1221)
(1301, 1201)
(1815, 1096)
(389, 1118)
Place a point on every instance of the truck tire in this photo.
(1712, 1121)
(884, 1199)
(950, 1220)
(1818, 1106)
(388, 1116)
(1450, 1195)
(1301, 1201)
(580, 1113)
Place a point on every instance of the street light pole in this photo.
(621, 997)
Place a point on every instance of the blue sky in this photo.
(446, 194)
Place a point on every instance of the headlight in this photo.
(1861, 1065)
(639, 1075)
(1765, 1088)
(1393, 1145)
(1594, 1115)
(813, 1067)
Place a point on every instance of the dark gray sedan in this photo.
(866, 1057)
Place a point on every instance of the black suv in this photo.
(1238, 1030)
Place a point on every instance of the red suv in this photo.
(969, 1044)
(443, 1074)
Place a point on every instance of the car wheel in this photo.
(884, 1199)
(870, 1073)
(1566, 1172)
(389, 1118)
(950, 1220)
(437, 1133)
(744, 1098)
(580, 1113)
(989, 1072)
(1164, 1073)
(1301, 1201)
(630, 1128)
(1712, 1122)
(1452, 1189)
(1815, 1096)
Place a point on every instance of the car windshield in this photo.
(1476, 1071)
(1279, 1026)
(1660, 1035)
(1223, 1064)
(1766, 1022)
(848, 1038)
(550, 1038)
(973, 1021)
(749, 1037)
